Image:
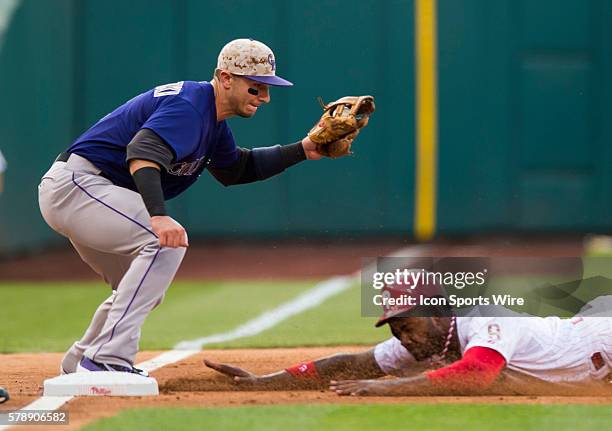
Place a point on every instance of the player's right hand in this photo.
(169, 231)
(238, 374)
(360, 387)
(310, 149)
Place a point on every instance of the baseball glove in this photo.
(340, 124)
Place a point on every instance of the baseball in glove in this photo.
(340, 124)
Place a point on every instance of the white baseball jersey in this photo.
(551, 349)
(393, 358)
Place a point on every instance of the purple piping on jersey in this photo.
(111, 208)
(129, 305)
(143, 277)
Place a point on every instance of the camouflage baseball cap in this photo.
(252, 59)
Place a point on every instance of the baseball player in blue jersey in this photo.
(107, 192)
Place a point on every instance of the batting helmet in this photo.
(396, 298)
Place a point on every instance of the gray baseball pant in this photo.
(110, 228)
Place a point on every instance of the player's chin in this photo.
(421, 354)
(248, 111)
(420, 357)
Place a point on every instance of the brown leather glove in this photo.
(340, 124)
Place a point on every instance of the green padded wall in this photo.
(524, 115)
(36, 113)
(524, 96)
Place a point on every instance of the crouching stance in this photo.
(107, 192)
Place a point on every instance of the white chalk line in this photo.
(268, 319)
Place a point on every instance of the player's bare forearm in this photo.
(339, 366)
(461, 377)
(349, 366)
(416, 385)
(250, 381)
(282, 380)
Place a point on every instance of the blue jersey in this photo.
(183, 114)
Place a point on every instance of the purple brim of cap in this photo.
(271, 80)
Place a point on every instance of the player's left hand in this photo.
(310, 148)
(169, 232)
(360, 387)
(238, 374)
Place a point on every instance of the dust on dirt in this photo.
(191, 384)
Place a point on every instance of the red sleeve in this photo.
(478, 368)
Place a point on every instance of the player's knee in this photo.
(177, 253)
(172, 256)
(159, 301)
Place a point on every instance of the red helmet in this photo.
(399, 295)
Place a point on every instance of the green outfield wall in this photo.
(523, 105)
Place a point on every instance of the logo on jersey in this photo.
(168, 89)
(185, 169)
(494, 333)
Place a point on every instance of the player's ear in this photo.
(225, 78)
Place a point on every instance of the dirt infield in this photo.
(190, 384)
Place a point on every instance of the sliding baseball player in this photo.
(444, 354)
